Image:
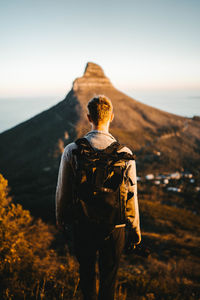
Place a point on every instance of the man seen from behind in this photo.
(90, 236)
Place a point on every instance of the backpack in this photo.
(100, 191)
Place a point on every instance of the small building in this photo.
(149, 177)
(157, 182)
(174, 189)
(158, 153)
(188, 175)
(166, 181)
(175, 175)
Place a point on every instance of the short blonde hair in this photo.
(100, 109)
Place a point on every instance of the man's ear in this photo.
(89, 118)
(112, 117)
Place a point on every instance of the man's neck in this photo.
(102, 127)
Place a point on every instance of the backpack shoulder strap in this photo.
(83, 146)
(83, 142)
(114, 148)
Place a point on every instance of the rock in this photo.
(93, 70)
(93, 77)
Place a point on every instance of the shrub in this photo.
(29, 268)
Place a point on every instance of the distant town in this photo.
(174, 182)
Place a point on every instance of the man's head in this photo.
(100, 110)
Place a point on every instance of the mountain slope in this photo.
(30, 152)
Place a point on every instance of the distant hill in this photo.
(30, 152)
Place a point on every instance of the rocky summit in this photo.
(30, 152)
(93, 77)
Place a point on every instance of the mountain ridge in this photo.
(30, 152)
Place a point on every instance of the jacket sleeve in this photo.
(64, 190)
(132, 209)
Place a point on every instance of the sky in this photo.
(141, 45)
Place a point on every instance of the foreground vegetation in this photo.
(29, 267)
(35, 264)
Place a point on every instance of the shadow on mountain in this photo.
(35, 146)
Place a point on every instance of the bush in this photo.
(29, 268)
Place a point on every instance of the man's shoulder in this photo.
(69, 149)
(125, 149)
(72, 146)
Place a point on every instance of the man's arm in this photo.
(64, 190)
(132, 209)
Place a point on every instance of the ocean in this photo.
(16, 110)
(183, 103)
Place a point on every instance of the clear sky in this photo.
(141, 45)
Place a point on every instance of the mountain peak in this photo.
(93, 70)
(93, 77)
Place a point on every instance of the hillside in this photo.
(34, 268)
(30, 152)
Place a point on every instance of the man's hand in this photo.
(139, 250)
(133, 236)
(133, 239)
